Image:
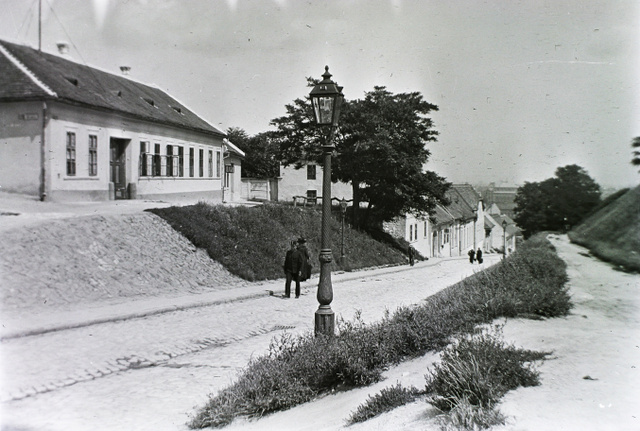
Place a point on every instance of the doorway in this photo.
(118, 169)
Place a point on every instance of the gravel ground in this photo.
(63, 255)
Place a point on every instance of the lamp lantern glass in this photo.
(326, 98)
(343, 205)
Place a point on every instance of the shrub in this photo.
(251, 241)
(530, 282)
(479, 370)
(387, 400)
(466, 416)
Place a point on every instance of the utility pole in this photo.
(39, 26)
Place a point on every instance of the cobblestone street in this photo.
(150, 373)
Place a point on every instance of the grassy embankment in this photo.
(251, 241)
(612, 233)
(531, 283)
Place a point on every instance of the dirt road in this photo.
(149, 373)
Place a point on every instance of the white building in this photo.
(72, 132)
(452, 231)
(306, 183)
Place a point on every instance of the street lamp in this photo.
(343, 212)
(504, 238)
(326, 98)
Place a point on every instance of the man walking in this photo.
(292, 266)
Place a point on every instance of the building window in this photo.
(192, 156)
(211, 163)
(157, 165)
(71, 153)
(218, 163)
(145, 159)
(181, 161)
(93, 155)
(170, 160)
(311, 172)
(410, 233)
(446, 236)
(201, 163)
(425, 228)
(312, 196)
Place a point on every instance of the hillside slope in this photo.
(613, 232)
(102, 258)
(251, 241)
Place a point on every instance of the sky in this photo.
(523, 87)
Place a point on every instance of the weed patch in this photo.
(480, 369)
(387, 400)
(530, 282)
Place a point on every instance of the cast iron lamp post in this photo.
(504, 238)
(326, 98)
(343, 212)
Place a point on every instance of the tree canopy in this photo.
(380, 149)
(635, 161)
(556, 203)
(261, 153)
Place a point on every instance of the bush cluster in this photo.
(480, 369)
(474, 374)
(531, 282)
(386, 400)
(251, 241)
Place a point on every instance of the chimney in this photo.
(125, 70)
(63, 48)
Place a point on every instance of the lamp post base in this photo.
(325, 321)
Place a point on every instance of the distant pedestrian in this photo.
(292, 265)
(305, 265)
(472, 256)
(479, 256)
(411, 253)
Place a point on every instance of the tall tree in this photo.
(380, 150)
(261, 153)
(556, 203)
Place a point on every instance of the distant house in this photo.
(503, 196)
(451, 231)
(232, 183)
(306, 183)
(73, 132)
(468, 206)
(497, 236)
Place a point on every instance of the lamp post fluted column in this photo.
(325, 317)
(326, 99)
(504, 239)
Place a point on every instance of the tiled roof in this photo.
(26, 74)
(464, 199)
(443, 215)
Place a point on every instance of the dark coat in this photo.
(293, 261)
(305, 266)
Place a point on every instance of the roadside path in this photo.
(149, 372)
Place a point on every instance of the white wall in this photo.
(294, 182)
(82, 122)
(20, 147)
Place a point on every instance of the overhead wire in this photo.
(75, 47)
(29, 16)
